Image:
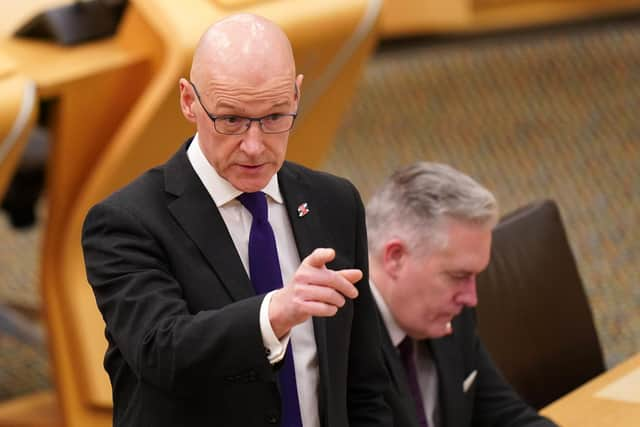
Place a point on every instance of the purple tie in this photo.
(406, 349)
(264, 270)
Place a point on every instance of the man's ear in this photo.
(187, 100)
(298, 88)
(394, 257)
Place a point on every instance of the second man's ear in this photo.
(394, 256)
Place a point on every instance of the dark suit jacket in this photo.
(489, 401)
(181, 316)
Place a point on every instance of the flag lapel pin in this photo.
(303, 209)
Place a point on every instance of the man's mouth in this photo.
(251, 167)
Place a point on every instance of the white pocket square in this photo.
(466, 384)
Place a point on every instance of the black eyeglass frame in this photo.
(250, 119)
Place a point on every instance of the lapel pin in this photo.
(303, 209)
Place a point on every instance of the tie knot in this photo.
(256, 203)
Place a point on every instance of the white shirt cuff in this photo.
(274, 348)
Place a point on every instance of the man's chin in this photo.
(250, 182)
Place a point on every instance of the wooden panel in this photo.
(483, 4)
(529, 13)
(36, 410)
(53, 66)
(415, 17)
(18, 112)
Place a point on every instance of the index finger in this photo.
(353, 275)
(319, 257)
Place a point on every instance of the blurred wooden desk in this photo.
(588, 407)
(92, 87)
(55, 67)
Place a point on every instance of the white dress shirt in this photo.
(427, 374)
(238, 221)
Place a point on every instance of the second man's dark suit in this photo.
(185, 347)
(488, 402)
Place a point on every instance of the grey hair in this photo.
(414, 202)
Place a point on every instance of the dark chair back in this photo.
(533, 314)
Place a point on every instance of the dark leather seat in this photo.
(533, 315)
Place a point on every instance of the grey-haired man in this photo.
(429, 231)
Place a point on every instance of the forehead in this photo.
(246, 60)
(241, 95)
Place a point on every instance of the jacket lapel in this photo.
(307, 232)
(399, 398)
(307, 229)
(199, 217)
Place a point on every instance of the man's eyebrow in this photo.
(230, 106)
(224, 104)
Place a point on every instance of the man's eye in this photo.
(273, 118)
(230, 120)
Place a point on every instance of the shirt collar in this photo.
(221, 190)
(395, 332)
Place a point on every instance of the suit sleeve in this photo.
(146, 316)
(367, 381)
(496, 403)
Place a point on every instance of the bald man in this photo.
(234, 284)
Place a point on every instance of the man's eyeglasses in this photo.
(236, 125)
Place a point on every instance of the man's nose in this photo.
(252, 143)
(468, 296)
